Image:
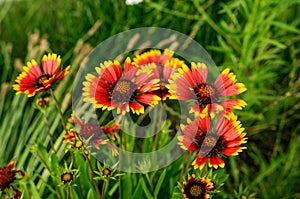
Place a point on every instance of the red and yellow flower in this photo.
(33, 80)
(7, 178)
(213, 143)
(191, 84)
(197, 189)
(165, 66)
(112, 88)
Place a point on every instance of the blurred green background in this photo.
(258, 39)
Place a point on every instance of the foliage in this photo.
(258, 40)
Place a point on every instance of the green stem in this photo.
(103, 188)
(77, 179)
(48, 132)
(149, 181)
(185, 165)
(158, 123)
(59, 111)
(68, 192)
(92, 175)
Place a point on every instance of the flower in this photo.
(213, 143)
(33, 80)
(110, 130)
(106, 172)
(112, 89)
(93, 133)
(197, 189)
(71, 136)
(8, 176)
(67, 177)
(165, 66)
(42, 102)
(191, 84)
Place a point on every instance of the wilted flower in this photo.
(7, 178)
(93, 133)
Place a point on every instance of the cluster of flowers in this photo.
(150, 78)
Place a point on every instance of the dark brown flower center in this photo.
(163, 90)
(123, 91)
(209, 141)
(195, 190)
(106, 172)
(90, 129)
(41, 80)
(66, 177)
(206, 94)
(210, 144)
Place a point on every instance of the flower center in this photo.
(78, 144)
(41, 80)
(163, 90)
(123, 91)
(90, 129)
(209, 141)
(195, 190)
(206, 94)
(210, 144)
(106, 172)
(66, 177)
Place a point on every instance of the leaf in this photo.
(286, 27)
(138, 191)
(159, 183)
(146, 190)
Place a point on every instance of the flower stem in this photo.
(68, 192)
(63, 122)
(149, 181)
(77, 179)
(48, 132)
(92, 175)
(185, 165)
(103, 188)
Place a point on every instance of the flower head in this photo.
(7, 178)
(33, 80)
(67, 177)
(213, 143)
(112, 88)
(191, 84)
(42, 102)
(197, 189)
(93, 133)
(165, 66)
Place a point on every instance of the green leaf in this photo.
(146, 190)
(138, 191)
(159, 183)
(286, 27)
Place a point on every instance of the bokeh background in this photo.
(258, 39)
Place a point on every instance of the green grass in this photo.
(258, 40)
